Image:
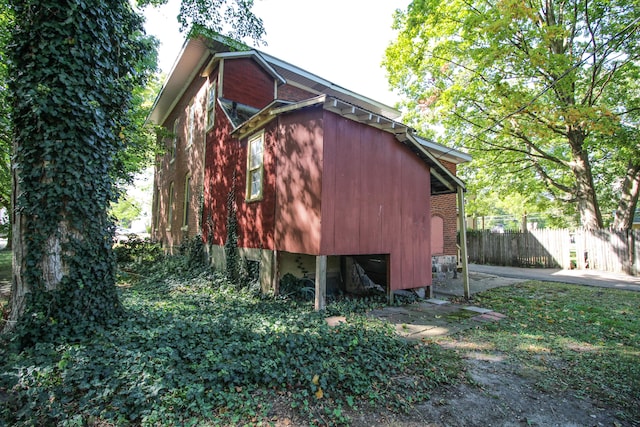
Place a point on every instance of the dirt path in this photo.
(499, 394)
(503, 395)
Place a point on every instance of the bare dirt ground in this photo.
(497, 391)
(499, 394)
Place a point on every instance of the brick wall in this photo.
(186, 164)
(247, 83)
(444, 206)
(291, 93)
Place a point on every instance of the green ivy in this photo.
(136, 250)
(232, 256)
(73, 67)
(199, 351)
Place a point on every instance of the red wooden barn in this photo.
(320, 179)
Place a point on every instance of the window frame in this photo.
(173, 148)
(251, 170)
(191, 123)
(170, 206)
(187, 202)
(211, 105)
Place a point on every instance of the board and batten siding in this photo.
(344, 188)
(299, 182)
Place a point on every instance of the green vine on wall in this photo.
(231, 244)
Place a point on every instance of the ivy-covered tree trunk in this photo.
(72, 71)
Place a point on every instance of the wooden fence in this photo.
(615, 251)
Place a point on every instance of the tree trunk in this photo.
(67, 120)
(629, 198)
(587, 202)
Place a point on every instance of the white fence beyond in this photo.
(607, 250)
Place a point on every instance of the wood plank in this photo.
(463, 244)
(348, 182)
(321, 282)
(370, 208)
(328, 203)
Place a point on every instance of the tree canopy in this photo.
(543, 93)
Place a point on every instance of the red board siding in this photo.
(221, 159)
(346, 233)
(332, 187)
(299, 182)
(247, 83)
(226, 156)
(375, 200)
(256, 219)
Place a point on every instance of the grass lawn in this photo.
(5, 278)
(5, 265)
(194, 350)
(568, 339)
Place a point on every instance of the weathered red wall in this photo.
(221, 160)
(256, 219)
(226, 158)
(375, 200)
(299, 182)
(292, 93)
(247, 83)
(344, 188)
(188, 160)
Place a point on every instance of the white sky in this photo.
(342, 41)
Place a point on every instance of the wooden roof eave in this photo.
(451, 181)
(404, 134)
(261, 118)
(251, 54)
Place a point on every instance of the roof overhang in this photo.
(200, 53)
(445, 181)
(191, 59)
(441, 152)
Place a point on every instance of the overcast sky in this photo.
(342, 41)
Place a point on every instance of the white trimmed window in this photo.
(187, 201)
(170, 207)
(173, 147)
(191, 123)
(255, 166)
(211, 105)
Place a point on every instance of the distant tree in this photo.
(544, 93)
(125, 211)
(74, 67)
(5, 118)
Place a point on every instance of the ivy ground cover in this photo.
(199, 351)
